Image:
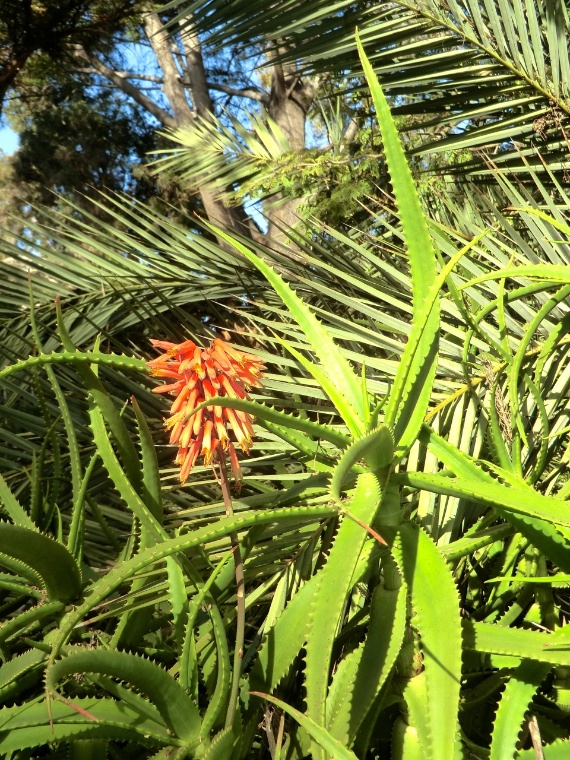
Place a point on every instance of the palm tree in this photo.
(484, 76)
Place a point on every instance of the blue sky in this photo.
(8, 140)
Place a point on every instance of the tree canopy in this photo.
(28, 27)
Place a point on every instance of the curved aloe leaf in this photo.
(436, 616)
(121, 479)
(269, 414)
(120, 361)
(178, 711)
(47, 557)
(518, 359)
(73, 448)
(514, 702)
(541, 533)
(505, 499)
(411, 391)
(376, 449)
(27, 618)
(222, 528)
(28, 725)
(17, 667)
(106, 406)
(546, 272)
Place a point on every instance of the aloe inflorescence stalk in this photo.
(199, 374)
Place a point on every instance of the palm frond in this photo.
(487, 78)
(226, 153)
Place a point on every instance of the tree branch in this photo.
(173, 87)
(248, 92)
(124, 74)
(128, 88)
(251, 93)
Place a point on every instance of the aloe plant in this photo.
(398, 527)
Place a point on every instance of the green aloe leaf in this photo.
(15, 669)
(361, 685)
(106, 406)
(515, 700)
(284, 640)
(120, 361)
(76, 536)
(411, 392)
(168, 547)
(28, 725)
(505, 499)
(516, 642)
(558, 750)
(46, 556)
(315, 458)
(335, 580)
(544, 272)
(405, 742)
(12, 506)
(151, 487)
(20, 622)
(336, 376)
(376, 449)
(120, 477)
(147, 511)
(436, 615)
(540, 533)
(178, 711)
(221, 746)
(88, 749)
(276, 417)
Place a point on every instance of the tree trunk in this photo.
(289, 101)
(184, 115)
(197, 74)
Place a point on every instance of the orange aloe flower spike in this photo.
(201, 374)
